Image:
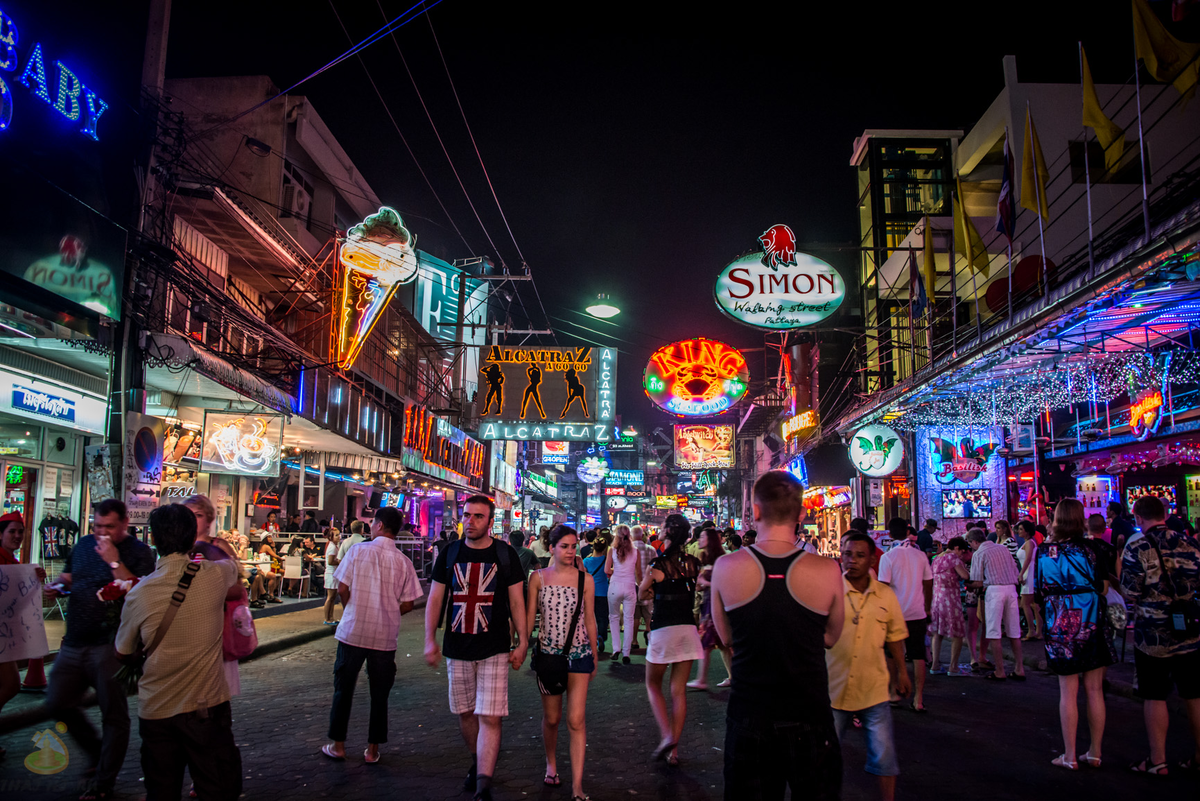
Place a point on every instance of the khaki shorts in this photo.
(480, 687)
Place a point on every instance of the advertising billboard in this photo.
(699, 446)
(559, 394)
(556, 452)
(696, 377)
(242, 444)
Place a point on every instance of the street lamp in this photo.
(602, 308)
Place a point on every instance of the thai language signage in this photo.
(143, 474)
(701, 446)
(780, 288)
(34, 399)
(696, 377)
(561, 394)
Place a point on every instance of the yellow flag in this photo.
(1033, 171)
(1110, 135)
(929, 268)
(1167, 58)
(967, 240)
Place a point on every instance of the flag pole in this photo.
(912, 301)
(1137, 83)
(970, 248)
(1087, 178)
(1037, 192)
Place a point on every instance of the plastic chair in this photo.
(293, 570)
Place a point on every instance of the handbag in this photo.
(552, 669)
(238, 636)
(134, 665)
(1183, 614)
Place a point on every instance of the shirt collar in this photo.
(872, 586)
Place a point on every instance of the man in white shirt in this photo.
(905, 568)
(356, 536)
(377, 585)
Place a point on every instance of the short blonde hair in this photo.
(202, 504)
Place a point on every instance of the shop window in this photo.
(20, 441)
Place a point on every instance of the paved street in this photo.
(985, 741)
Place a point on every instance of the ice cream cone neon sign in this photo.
(378, 255)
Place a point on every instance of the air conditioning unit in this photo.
(296, 202)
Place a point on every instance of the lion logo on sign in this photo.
(779, 247)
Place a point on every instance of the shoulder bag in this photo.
(552, 669)
(1183, 614)
(133, 665)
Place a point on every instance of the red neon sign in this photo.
(1145, 415)
(696, 377)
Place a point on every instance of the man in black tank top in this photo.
(779, 608)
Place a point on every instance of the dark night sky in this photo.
(637, 151)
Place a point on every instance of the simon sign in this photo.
(779, 289)
(696, 377)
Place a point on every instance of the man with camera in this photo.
(1160, 576)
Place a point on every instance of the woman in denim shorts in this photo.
(553, 593)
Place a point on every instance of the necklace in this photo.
(854, 621)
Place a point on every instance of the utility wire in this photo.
(396, 125)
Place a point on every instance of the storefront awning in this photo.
(167, 354)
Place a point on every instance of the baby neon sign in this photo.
(68, 95)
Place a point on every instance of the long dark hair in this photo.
(560, 531)
(675, 531)
(711, 549)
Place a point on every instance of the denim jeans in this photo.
(201, 741)
(881, 742)
(381, 675)
(763, 758)
(601, 610)
(76, 668)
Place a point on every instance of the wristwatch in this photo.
(115, 565)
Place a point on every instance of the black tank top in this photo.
(778, 653)
(674, 596)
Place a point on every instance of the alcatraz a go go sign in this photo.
(876, 451)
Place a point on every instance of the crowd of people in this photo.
(813, 648)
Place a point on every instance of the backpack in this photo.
(503, 558)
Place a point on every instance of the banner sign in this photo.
(531, 392)
(699, 446)
(780, 289)
(433, 446)
(22, 629)
(556, 452)
(626, 478)
(143, 461)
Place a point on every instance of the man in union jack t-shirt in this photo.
(478, 587)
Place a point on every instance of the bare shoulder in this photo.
(733, 563)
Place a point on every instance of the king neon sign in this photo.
(70, 97)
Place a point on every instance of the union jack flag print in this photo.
(474, 591)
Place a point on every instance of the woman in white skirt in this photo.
(674, 638)
(624, 570)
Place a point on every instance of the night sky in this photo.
(635, 150)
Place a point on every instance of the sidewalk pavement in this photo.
(276, 632)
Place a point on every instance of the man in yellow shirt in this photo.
(858, 673)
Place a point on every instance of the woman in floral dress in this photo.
(947, 611)
(1070, 585)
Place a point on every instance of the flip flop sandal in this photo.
(994, 677)
(1089, 760)
(1188, 765)
(912, 707)
(1145, 766)
(1017, 677)
(327, 750)
(367, 757)
(552, 781)
(672, 760)
(1061, 761)
(662, 750)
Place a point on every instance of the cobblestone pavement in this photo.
(979, 740)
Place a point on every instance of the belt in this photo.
(674, 597)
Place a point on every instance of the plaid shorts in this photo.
(480, 687)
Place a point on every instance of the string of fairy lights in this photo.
(1088, 384)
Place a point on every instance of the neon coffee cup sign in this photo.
(779, 288)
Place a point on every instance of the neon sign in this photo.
(780, 289)
(561, 394)
(1145, 416)
(876, 450)
(699, 446)
(378, 256)
(592, 470)
(72, 98)
(627, 477)
(794, 425)
(959, 461)
(696, 377)
(556, 452)
(241, 443)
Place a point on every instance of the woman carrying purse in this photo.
(564, 596)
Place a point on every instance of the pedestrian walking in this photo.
(529, 561)
(177, 613)
(332, 545)
(905, 568)
(624, 570)
(1070, 581)
(595, 565)
(674, 640)
(994, 570)
(377, 584)
(213, 550)
(86, 657)
(709, 638)
(541, 546)
(858, 671)
(646, 554)
(1160, 577)
(946, 613)
(565, 598)
(358, 533)
(779, 608)
(478, 583)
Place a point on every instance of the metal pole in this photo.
(1087, 183)
(1041, 229)
(1137, 82)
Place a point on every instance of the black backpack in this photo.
(503, 558)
